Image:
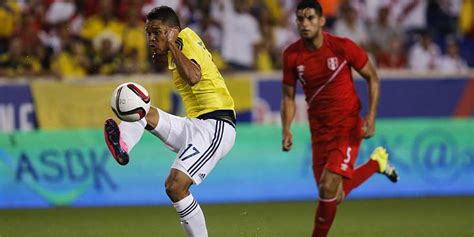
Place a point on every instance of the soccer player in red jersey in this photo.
(322, 64)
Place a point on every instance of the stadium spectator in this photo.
(43, 54)
(128, 6)
(134, 41)
(29, 30)
(91, 7)
(17, 62)
(277, 9)
(264, 61)
(409, 15)
(393, 56)
(442, 17)
(424, 54)
(72, 61)
(104, 22)
(452, 62)
(368, 10)
(107, 59)
(284, 33)
(212, 37)
(9, 17)
(265, 56)
(351, 26)
(76, 22)
(382, 31)
(241, 33)
(191, 14)
(133, 64)
(60, 11)
(56, 37)
(37, 8)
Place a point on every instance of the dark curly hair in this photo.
(165, 14)
(311, 4)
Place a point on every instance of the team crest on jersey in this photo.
(300, 70)
(332, 63)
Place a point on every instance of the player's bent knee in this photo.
(329, 184)
(176, 190)
(327, 190)
(177, 185)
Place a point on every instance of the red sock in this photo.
(324, 217)
(361, 174)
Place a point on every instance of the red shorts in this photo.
(338, 154)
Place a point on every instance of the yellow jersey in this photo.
(210, 93)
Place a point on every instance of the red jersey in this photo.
(326, 78)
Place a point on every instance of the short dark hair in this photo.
(165, 14)
(311, 4)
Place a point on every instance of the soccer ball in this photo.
(130, 102)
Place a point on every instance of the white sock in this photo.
(191, 216)
(131, 132)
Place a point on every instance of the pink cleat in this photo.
(114, 142)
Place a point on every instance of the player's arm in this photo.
(189, 70)
(369, 73)
(287, 113)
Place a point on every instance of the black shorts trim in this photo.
(227, 116)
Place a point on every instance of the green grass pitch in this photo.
(430, 217)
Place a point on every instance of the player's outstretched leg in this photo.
(385, 167)
(117, 147)
(378, 162)
(188, 209)
(121, 138)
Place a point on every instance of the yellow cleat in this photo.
(381, 156)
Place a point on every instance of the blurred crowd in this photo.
(74, 38)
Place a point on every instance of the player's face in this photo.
(155, 32)
(309, 23)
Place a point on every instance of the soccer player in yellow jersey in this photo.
(202, 138)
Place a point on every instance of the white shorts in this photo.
(199, 143)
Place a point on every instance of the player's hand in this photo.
(369, 127)
(287, 141)
(171, 35)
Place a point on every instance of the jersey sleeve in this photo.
(355, 55)
(192, 51)
(289, 73)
